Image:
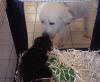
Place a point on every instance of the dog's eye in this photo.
(51, 23)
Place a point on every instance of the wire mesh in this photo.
(2, 10)
(56, 0)
(75, 30)
(7, 62)
(32, 20)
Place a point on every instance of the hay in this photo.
(85, 64)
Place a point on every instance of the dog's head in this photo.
(43, 42)
(53, 17)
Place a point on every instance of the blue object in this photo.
(95, 43)
(16, 18)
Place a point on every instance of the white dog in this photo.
(56, 16)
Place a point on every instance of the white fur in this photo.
(63, 14)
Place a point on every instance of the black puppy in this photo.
(33, 63)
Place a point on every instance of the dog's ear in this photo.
(66, 18)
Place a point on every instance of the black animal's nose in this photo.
(45, 34)
(68, 23)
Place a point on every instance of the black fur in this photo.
(33, 63)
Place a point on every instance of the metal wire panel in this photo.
(2, 10)
(55, 0)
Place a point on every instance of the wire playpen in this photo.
(75, 31)
(75, 39)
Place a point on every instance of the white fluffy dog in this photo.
(56, 16)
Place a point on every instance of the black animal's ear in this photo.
(50, 47)
(36, 42)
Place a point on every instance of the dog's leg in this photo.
(86, 27)
(63, 38)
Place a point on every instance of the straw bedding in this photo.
(85, 64)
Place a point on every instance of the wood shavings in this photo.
(86, 64)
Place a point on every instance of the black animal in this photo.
(33, 62)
